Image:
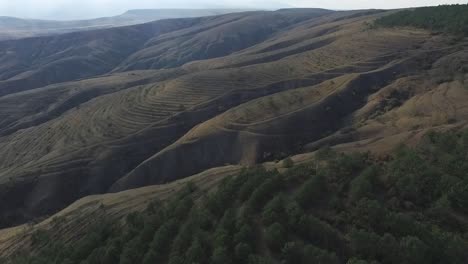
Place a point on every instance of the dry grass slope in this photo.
(308, 79)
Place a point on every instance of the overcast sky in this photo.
(74, 9)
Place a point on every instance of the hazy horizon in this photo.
(86, 9)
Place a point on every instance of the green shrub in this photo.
(312, 191)
(458, 196)
(257, 259)
(265, 191)
(161, 242)
(292, 252)
(357, 261)
(288, 163)
(242, 252)
(313, 254)
(132, 252)
(414, 251)
(370, 213)
(196, 253)
(275, 236)
(363, 185)
(320, 234)
(221, 256)
(274, 211)
(364, 244)
(245, 234)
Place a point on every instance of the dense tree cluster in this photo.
(445, 18)
(339, 209)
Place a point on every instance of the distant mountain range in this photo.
(16, 28)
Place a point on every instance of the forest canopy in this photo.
(451, 19)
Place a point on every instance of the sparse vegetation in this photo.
(288, 162)
(451, 19)
(341, 209)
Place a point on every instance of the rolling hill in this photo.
(16, 28)
(111, 110)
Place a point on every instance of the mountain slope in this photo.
(301, 80)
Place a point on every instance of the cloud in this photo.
(73, 9)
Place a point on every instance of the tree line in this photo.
(451, 19)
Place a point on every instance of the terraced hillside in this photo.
(173, 98)
(33, 63)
